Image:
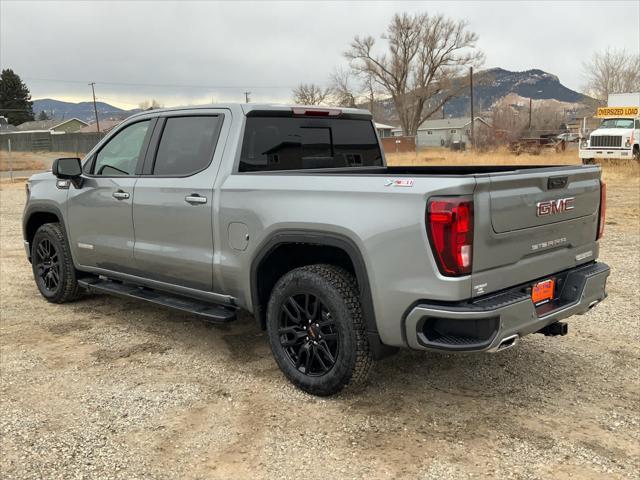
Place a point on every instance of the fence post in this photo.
(10, 161)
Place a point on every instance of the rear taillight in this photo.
(603, 209)
(450, 229)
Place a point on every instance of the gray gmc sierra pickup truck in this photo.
(291, 213)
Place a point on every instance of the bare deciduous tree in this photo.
(344, 94)
(152, 104)
(425, 54)
(507, 122)
(310, 94)
(611, 71)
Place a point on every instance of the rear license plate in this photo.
(543, 291)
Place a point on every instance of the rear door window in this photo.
(187, 145)
(294, 143)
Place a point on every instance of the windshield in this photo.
(295, 143)
(617, 123)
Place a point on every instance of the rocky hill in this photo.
(492, 86)
(59, 110)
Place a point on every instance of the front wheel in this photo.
(52, 266)
(316, 329)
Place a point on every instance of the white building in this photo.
(384, 131)
(443, 132)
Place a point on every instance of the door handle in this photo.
(120, 195)
(195, 199)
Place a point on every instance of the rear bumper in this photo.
(498, 320)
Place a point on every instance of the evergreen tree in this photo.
(43, 116)
(15, 98)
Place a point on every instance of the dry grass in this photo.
(20, 161)
(442, 156)
(616, 171)
(30, 161)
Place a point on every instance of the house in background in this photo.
(383, 130)
(444, 132)
(51, 126)
(105, 126)
(5, 126)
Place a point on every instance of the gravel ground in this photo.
(108, 388)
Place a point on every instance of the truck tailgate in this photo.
(529, 224)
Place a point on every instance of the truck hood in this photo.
(42, 176)
(621, 132)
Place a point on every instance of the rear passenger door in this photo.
(173, 202)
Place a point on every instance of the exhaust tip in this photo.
(508, 342)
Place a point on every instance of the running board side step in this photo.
(211, 312)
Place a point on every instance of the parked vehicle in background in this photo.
(291, 213)
(568, 137)
(618, 136)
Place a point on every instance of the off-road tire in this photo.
(636, 153)
(338, 291)
(67, 289)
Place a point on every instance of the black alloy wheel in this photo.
(308, 334)
(52, 265)
(47, 264)
(317, 331)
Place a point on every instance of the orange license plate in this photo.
(543, 291)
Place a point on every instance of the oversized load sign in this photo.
(617, 112)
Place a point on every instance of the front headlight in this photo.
(584, 143)
(628, 142)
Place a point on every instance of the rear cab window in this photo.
(273, 143)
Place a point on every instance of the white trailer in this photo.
(618, 136)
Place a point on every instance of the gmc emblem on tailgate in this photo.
(552, 207)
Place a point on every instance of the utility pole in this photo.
(530, 105)
(95, 108)
(473, 132)
(246, 97)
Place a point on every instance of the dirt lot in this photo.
(108, 388)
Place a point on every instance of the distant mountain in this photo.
(493, 85)
(490, 87)
(59, 110)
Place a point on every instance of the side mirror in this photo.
(67, 168)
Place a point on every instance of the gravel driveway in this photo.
(109, 388)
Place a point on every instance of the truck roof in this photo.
(245, 108)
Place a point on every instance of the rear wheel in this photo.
(52, 266)
(316, 329)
